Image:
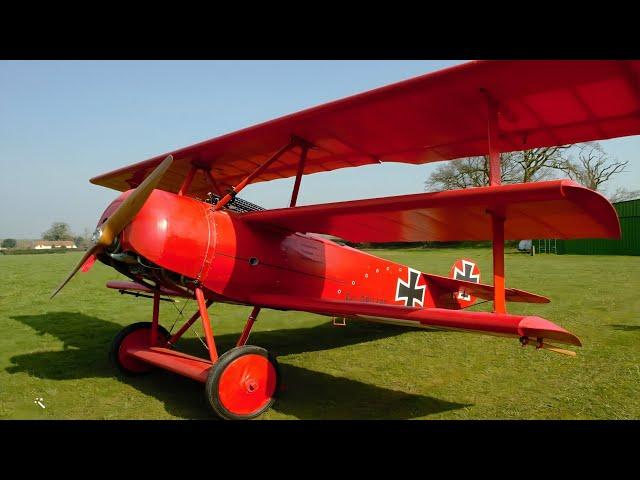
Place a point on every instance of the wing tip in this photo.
(533, 326)
(597, 205)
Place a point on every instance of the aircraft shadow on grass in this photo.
(308, 393)
(625, 328)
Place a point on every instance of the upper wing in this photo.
(438, 116)
(555, 209)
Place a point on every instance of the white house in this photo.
(48, 244)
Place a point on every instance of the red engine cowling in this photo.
(172, 231)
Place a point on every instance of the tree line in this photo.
(57, 231)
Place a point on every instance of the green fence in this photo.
(629, 244)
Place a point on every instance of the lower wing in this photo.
(530, 327)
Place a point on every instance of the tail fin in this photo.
(466, 270)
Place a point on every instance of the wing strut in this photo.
(212, 181)
(303, 158)
(293, 142)
(247, 180)
(184, 188)
(497, 216)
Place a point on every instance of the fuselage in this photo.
(180, 240)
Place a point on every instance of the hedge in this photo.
(32, 251)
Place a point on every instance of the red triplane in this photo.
(178, 228)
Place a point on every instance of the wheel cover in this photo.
(247, 384)
(136, 340)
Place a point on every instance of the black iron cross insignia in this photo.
(466, 275)
(409, 291)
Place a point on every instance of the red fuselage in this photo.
(234, 260)
(181, 243)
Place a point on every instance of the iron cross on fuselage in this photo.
(410, 292)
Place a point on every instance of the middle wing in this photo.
(555, 209)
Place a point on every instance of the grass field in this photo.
(57, 350)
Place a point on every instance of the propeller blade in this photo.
(86, 266)
(132, 204)
(89, 253)
(119, 219)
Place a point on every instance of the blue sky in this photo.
(63, 122)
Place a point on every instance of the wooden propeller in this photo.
(106, 233)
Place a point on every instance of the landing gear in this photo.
(240, 384)
(243, 383)
(136, 336)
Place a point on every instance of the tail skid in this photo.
(547, 346)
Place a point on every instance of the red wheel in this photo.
(243, 383)
(134, 336)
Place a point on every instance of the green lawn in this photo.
(57, 350)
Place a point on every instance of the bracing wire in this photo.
(180, 313)
(201, 341)
(475, 304)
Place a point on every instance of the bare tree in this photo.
(457, 174)
(538, 163)
(515, 167)
(593, 167)
(84, 240)
(622, 194)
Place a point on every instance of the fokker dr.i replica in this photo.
(179, 228)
